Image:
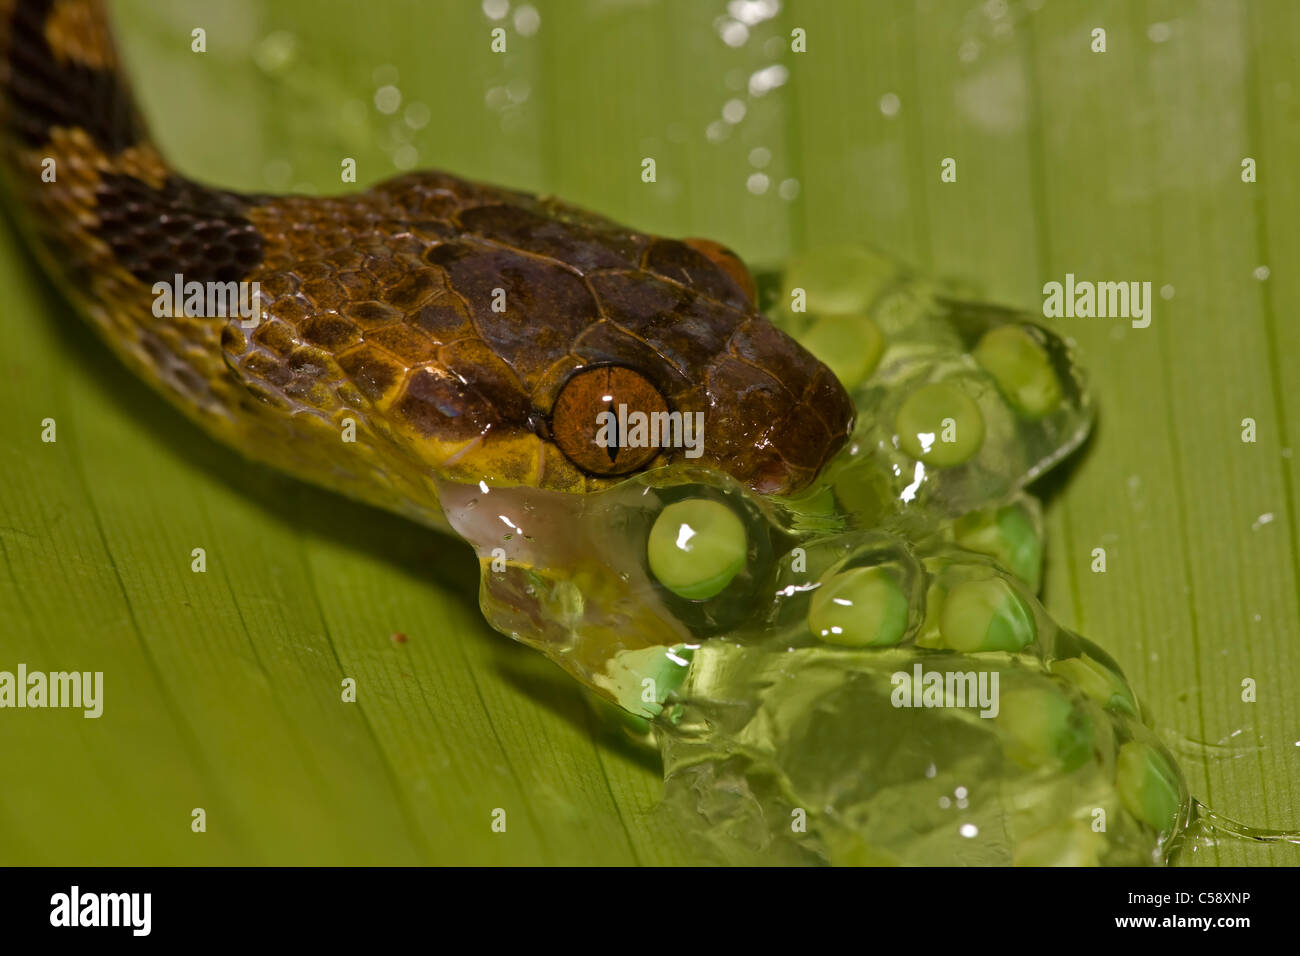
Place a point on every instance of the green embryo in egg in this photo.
(696, 548)
(940, 424)
(859, 608)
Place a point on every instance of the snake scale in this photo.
(438, 319)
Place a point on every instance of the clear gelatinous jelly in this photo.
(861, 673)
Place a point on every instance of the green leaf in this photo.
(222, 689)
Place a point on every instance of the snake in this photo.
(429, 339)
(424, 330)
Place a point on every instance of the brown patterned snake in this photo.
(463, 332)
(429, 339)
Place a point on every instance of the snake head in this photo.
(684, 369)
(517, 341)
(761, 409)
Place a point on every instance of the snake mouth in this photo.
(790, 456)
(779, 477)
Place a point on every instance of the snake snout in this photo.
(778, 414)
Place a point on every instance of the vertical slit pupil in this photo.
(614, 446)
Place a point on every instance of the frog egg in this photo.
(850, 346)
(1010, 535)
(865, 592)
(860, 607)
(1148, 787)
(838, 281)
(940, 425)
(1042, 727)
(642, 679)
(1097, 682)
(1022, 370)
(985, 615)
(696, 548)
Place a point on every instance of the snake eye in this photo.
(728, 262)
(599, 420)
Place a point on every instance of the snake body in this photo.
(416, 332)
